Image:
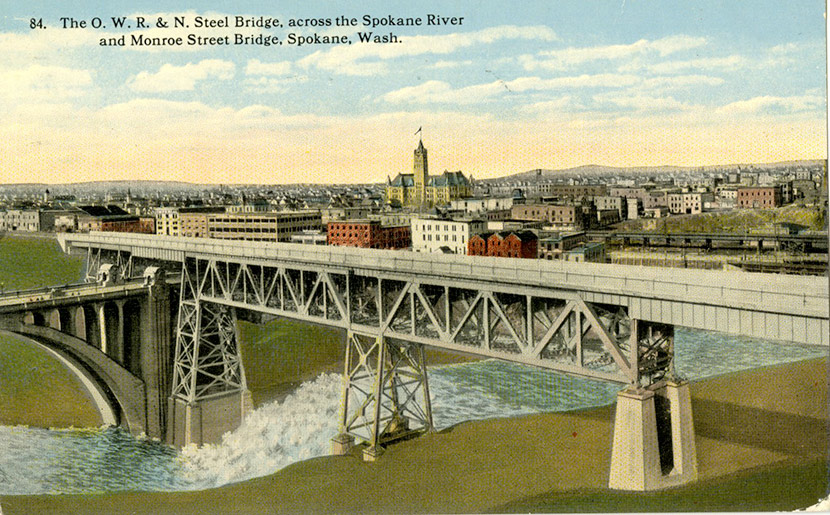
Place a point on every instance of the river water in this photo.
(34, 461)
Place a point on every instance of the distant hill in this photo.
(599, 170)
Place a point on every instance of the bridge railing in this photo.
(66, 290)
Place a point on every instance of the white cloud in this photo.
(571, 56)
(680, 81)
(37, 42)
(357, 59)
(181, 78)
(271, 84)
(672, 44)
(706, 63)
(257, 67)
(775, 105)
(559, 105)
(441, 92)
(38, 83)
(642, 102)
(450, 64)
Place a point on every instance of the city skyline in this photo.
(552, 86)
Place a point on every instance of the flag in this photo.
(419, 130)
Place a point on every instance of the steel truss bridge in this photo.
(604, 322)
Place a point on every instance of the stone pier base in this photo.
(341, 444)
(372, 453)
(205, 421)
(654, 441)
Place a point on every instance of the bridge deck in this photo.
(37, 297)
(784, 307)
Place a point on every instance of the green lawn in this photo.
(35, 262)
(37, 390)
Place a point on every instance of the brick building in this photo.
(368, 234)
(559, 215)
(522, 244)
(111, 218)
(759, 198)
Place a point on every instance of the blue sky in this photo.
(515, 86)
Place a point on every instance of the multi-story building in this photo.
(167, 221)
(49, 218)
(479, 206)
(275, 226)
(576, 191)
(66, 223)
(110, 218)
(309, 238)
(787, 192)
(589, 252)
(612, 202)
(331, 214)
(435, 235)
(607, 217)
(554, 246)
(635, 208)
(368, 234)
(687, 203)
(522, 244)
(193, 221)
(418, 188)
(759, 198)
(656, 199)
(557, 215)
(27, 220)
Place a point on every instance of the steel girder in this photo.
(551, 329)
(96, 257)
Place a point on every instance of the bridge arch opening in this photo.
(65, 321)
(38, 319)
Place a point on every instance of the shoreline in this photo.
(506, 450)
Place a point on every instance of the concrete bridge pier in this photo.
(654, 442)
(654, 438)
(154, 341)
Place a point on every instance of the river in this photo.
(35, 461)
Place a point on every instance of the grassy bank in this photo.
(37, 390)
(761, 437)
(34, 262)
(280, 355)
(735, 221)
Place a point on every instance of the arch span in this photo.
(113, 386)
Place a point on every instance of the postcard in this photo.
(424, 257)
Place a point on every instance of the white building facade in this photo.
(431, 234)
